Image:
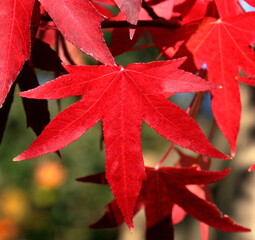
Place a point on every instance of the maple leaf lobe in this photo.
(85, 32)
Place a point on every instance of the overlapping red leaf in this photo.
(224, 47)
(161, 190)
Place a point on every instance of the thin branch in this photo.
(165, 156)
(45, 17)
(157, 22)
(150, 11)
(143, 23)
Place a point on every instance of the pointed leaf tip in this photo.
(235, 227)
(252, 168)
(130, 224)
(16, 159)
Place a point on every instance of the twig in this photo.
(157, 22)
(143, 23)
(150, 11)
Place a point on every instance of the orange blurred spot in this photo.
(14, 204)
(8, 229)
(49, 175)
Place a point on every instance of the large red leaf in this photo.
(224, 46)
(80, 23)
(122, 98)
(15, 23)
(162, 189)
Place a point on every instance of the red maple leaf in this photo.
(80, 23)
(122, 98)
(161, 190)
(15, 37)
(224, 45)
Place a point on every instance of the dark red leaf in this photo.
(162, 230)
(37, 113)
(96, 178)
(121, 42)
(165, 187)
(112, 217)
(168, 185)
(45, 58)
(4, 111)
